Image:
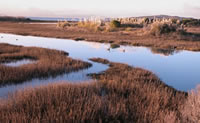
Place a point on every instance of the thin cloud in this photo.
(126, 8)
(190, 10)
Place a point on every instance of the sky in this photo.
(105, 8)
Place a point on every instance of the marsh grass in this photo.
(121, 94)
(54, 103)
(48, 63)
(191, 109)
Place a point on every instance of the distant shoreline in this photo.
(118, 37)
(75, 19)
(54, 19)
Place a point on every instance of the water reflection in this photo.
(179, 69)
(164, 52)
(19, 63)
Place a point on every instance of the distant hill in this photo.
(163, 16)
(10, 18)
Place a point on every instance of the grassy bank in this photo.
(47, 63)
(121, 36)
(121, 94)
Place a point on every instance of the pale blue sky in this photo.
(119, 8)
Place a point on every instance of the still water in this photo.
(179, 69)
(19, 63)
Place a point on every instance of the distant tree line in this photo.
(15, 19)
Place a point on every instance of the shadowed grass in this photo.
(48, 63)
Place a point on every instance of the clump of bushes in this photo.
(90, 25)
(108, 26)
(162, 28)
(112, 26)
(115, 24)
(63, 24)
(190, 22)
(159, 28)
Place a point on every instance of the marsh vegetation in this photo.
(47, 63)
(121, 94)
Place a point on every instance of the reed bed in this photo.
(47, 63)
(120, 94)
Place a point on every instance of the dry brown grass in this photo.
(48, 63)
(191, 109)
(54, 103)
(145, 93)
(122, 94)
(63, 24)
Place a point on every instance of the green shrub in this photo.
(115, 24)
